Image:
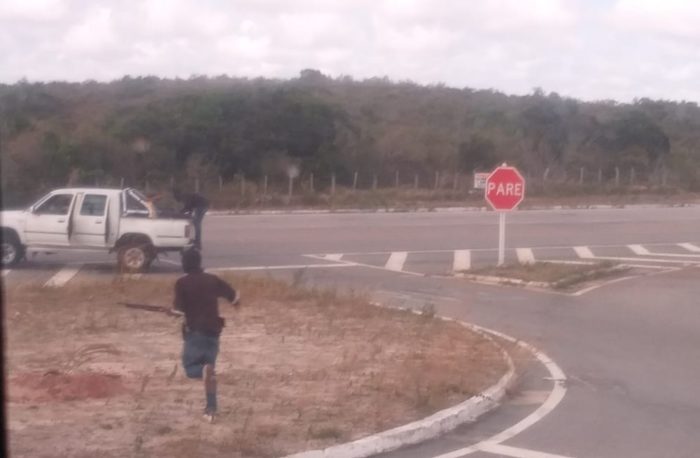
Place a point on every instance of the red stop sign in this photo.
(505, 188)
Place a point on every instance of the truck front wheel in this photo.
(12, 250)
(135, 257)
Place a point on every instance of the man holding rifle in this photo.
(196, 296)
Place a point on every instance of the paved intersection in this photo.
(58, 270)
(629, 351)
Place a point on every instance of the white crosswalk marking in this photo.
(396, 261)
(583, 252)
(690, 247)
(333, 256)
(639, 250)
(462, 260)
(63, 276)
(525, 255)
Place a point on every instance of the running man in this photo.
(196, 295)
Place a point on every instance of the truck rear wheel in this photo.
(135, 257)
(12, 250)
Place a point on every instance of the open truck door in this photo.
(91, 222)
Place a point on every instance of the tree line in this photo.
(148, 128)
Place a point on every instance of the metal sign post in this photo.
(501, 238)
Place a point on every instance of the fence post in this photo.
(545, 177)
(455, 182)
(196, 184)
(633, 175)
(333, 184)
(617, 176)
(580, 176)
(311, 182)
(121, 183)
(354, 181)
(415, 181)
(664, 177)
(374, 182)
(396, 179)
(437, 180)
(221, 183)
(265, 185)
(242, 185)
(291, 189)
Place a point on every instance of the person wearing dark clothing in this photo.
(196, 296)
(195, 206)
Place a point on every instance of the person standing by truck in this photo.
(194, 205)
(196, 295)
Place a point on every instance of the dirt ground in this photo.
(298, 369)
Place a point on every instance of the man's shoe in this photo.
(209, 415)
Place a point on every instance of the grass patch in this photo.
(298, 369)
(552, 274)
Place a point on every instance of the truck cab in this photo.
(115, 220)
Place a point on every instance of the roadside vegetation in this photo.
(247, 137)
(299, 369)
(554, 275)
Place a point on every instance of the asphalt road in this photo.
(629, 349)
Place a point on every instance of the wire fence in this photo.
(439, 184)
(380, 187)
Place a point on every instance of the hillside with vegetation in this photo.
(153, 131)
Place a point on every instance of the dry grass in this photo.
(556, 275)
(298, 369)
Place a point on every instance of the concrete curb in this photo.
(508, 281)
(437, 209)
(430, 427)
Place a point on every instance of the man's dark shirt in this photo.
(197, 296)
(194, 203)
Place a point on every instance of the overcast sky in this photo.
(595, 49)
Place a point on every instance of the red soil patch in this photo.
(57, 386)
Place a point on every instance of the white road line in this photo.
(539, 247)
(554, 398)
(639, 250)
(515, 452)
(63, 276)
(462, 260)
(334, 256)
(583, 291)
(690, 247)
(396, 261)
(668, 255)
(657, 260)
(292, 266)
(583, 252)
(525, 255)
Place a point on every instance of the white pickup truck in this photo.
(116, 220)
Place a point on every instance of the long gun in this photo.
(152, 308)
